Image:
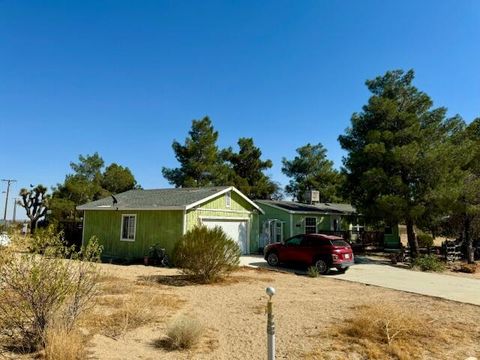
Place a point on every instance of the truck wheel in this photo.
(272, 259)
(322, 266)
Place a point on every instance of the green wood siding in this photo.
(392, 240)
(323, 222)
(152, 227)
(163, 227)
(216, 208)
(274, 213)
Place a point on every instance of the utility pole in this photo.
(14, 209)
(8, 181)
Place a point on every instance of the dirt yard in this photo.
(137, 303)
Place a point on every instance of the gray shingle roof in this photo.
(315, 208)
(156, 198)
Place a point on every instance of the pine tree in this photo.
(311, 170)
(398, 157)
(248, 171)
(199, 158)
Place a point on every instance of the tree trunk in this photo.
(412, 239)
(33, 224)
(470, 255)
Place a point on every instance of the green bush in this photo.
(428, 263)
(206, 254)
(47, 241)
(312, 271)
(424, 240)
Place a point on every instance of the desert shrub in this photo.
(428, 263)
(206, 254)
(18, 241)
(183, 333)
(312, 271)
(38, 291)
(47, 241)
(424, 240)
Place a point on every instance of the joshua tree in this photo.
(35, 203)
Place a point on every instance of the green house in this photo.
(127, 224)
(283, 219)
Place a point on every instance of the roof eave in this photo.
(120, 208)
(221, 192)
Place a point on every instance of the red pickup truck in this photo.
(323, 251)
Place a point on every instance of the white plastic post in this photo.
(270, 325)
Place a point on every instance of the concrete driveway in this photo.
(381, 273)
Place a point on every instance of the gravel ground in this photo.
(233, 313)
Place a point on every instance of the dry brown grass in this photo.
(124, 305)
(61, 344)
(113, 285)
(381, 331)
(115, 316)
(386, 324)
(467, 268)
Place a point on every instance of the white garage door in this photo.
(237, 230)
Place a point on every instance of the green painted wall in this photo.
(152, 227)
(392, 240)
(163, 227)
(323, 222)
(239, 208)
(274, 213)
(297, 220)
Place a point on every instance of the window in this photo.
(310, 225)
(340, 243)
(294, 241)
(128, 227)
(228, 199)
(278, 231)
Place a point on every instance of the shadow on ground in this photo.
(302, 270)
(170, 280)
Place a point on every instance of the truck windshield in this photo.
(340, 243)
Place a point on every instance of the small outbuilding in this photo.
(127, 224)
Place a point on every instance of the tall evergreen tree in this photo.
(311, 170)
(117, 179)
(398, 153)
(199, 158)
(464, 215)
(248, 171)
(88, 182)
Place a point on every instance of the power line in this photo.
(8, 181)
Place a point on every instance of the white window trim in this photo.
(228, 199)
(305, 224)
(134, 233)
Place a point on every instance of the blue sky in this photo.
(125, 78)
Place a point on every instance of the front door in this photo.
(276, 231)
